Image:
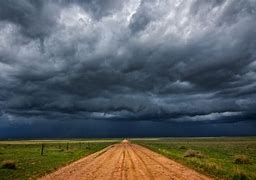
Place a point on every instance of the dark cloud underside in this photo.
(127, 61)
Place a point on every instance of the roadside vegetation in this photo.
(221, 158)
(32, 159)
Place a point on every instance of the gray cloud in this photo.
(170, 61)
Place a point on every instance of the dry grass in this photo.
(193, 153)
(9, 164)
(241, 159)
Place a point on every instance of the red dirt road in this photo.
(124, 161)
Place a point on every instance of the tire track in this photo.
(151, 177)
(123, 165)
(98, 165)
(172, 176)
(132, 165)
(116, 168)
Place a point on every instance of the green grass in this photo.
(29, 162)
(217, 157)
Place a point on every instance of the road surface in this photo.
(124, 161)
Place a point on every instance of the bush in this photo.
(193, 153)
(241, 159)
(182, 147)
(240, 176)
(9, 164)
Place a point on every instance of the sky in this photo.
(133, 68)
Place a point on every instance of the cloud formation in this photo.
(172, 60)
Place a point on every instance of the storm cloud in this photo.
(174, 61)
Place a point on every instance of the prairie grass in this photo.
(220, 158)
(30, 164)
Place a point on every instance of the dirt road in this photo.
(124, 161)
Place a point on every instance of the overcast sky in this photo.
(97, 68)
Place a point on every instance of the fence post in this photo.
(88, 145)
(67, 146)
(42, 150)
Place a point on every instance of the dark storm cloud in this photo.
(35, 18)
(172, 61)
(98, 8)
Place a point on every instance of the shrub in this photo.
(9, 164)
(182, 147)
(241, 159)
(240, 176)
(193, 153)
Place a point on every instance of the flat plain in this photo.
(143, 158)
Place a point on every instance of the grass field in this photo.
(221, 158)
(26, 156)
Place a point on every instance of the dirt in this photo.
(124, 161)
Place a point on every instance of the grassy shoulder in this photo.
(24, 160)
(221, 158)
